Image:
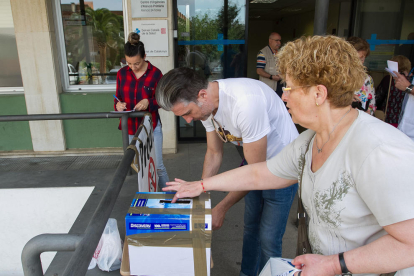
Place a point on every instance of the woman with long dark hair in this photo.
(135, 89)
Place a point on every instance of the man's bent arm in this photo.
(212, 163)
(214, 155)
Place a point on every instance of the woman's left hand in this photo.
(142, 105)
(183, 188)
(317, 265)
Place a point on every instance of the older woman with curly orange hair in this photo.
(359, 196)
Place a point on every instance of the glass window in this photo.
(211, 40)
(393, 36)
(92, 38)
(211, 37)
(10, 75)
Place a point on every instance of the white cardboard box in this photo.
(155, 230)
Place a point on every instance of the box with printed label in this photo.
(167, 238)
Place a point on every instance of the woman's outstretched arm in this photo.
(251, 177)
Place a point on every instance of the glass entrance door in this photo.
(211, 40)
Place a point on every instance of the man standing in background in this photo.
(266, 63)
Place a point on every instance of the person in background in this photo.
(407, 50)
(226, 59)
(247, 113)
(198, 61)
(135, 89)
(266, 66)
(392, 104)
(406, 123)
(359, 196)
(366, 94)
(239, 62)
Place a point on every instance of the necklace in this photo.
(329, 135)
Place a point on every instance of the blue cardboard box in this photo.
(165, 220)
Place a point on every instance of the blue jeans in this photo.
(161, 170)
(265, 217)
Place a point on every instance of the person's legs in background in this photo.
(161, 170)
(130, 137)
(251, 236)
(275, 213)
(265, 217)
(253, 203)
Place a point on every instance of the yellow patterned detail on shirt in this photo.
(231, 138)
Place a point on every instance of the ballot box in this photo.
(164, 238)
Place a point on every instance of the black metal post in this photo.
(321, 17)
(125, 134)
(225, 30)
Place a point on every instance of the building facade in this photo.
(60, 56)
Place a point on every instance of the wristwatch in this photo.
(271, 77)
(409, 88)
(344, 269)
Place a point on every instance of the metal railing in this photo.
(83, 245)
(74, 116)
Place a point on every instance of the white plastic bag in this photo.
(109, 250)
(94, 260)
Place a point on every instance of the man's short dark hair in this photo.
(179, 85)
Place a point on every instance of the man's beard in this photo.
(206, 110)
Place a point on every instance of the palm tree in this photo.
(107, 31)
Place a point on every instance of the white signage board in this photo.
(154, 35)
(149, 8)
(147, 175)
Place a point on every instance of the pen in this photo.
(120, 101)
(116, 98)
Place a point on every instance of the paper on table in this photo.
(392, 66)
(279, 267)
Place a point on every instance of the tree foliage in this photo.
(107, 32)
(235, 29)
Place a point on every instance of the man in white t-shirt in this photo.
(247, 113)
